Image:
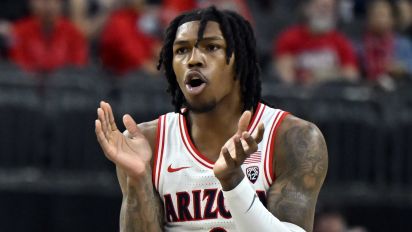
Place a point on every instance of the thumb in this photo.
(243, 122)
(131, 126)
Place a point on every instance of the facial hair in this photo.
(201, 108)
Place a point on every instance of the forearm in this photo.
(141, 208)
(249, 214)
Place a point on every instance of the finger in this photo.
(228, 158)
(112, 122)
(106, 115)
(252, 145)
(131, 126)
(258, 135)
(101, 138)
(239, 151)
(243, 122)
(102, 119)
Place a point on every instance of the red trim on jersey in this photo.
(189, 145)
(272, 146)
(255, 122)
(187, 140)
(159, 124)
(270, 140)
(161, 151)
(254, 115)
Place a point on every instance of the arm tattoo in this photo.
(293, 196)
(141, 207)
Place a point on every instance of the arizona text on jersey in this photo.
(191, 194)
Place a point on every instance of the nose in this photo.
(195, 59)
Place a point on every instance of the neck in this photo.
(47, 25)
(209, 131)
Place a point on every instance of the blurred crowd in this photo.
(334, 221)
(300, 42)
(328, 40)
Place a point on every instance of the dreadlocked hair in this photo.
(240, 41)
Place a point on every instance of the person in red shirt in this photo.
(125, 44)
(46, 41)
(315, 51)
(172, 8)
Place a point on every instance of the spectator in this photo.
(90, 22)
(128, 39)
(333, 221)
(404, 9)
(315, 51)
(172, 8)
(385, 53)
(45, 41)
(330, 222)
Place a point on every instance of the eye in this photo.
(181, 50)
(212, 47)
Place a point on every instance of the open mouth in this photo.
(195, 82)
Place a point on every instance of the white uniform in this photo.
(184, 178)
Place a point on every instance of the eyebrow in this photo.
(182, 42)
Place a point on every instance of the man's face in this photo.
(321, 15)
(380, 18)
(46, 10)
(202, 72)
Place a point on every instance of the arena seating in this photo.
(48, 146)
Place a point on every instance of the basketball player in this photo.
(224, 161)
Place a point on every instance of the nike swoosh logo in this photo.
(170, 169)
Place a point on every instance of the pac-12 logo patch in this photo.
(252, 173)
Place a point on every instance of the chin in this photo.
(199, 108)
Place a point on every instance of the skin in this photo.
(47, 11)
(220, 134)
(381, 22)
(286, 63)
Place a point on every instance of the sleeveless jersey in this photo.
(191, 194)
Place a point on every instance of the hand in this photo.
(239, 147)
(131, 153)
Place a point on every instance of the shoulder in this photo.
(149, 130)
(25, 24)
(340, 38)
(299, 143)
(294, 30)
(290, 39)
(292, 122)
(292, 33)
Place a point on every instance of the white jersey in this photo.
(191, 194)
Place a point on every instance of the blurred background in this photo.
(345, 65)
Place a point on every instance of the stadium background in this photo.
(53, 176)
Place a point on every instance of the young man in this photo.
(214, 166)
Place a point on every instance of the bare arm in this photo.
(301, 164)
(142, 209)
(132, 152)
